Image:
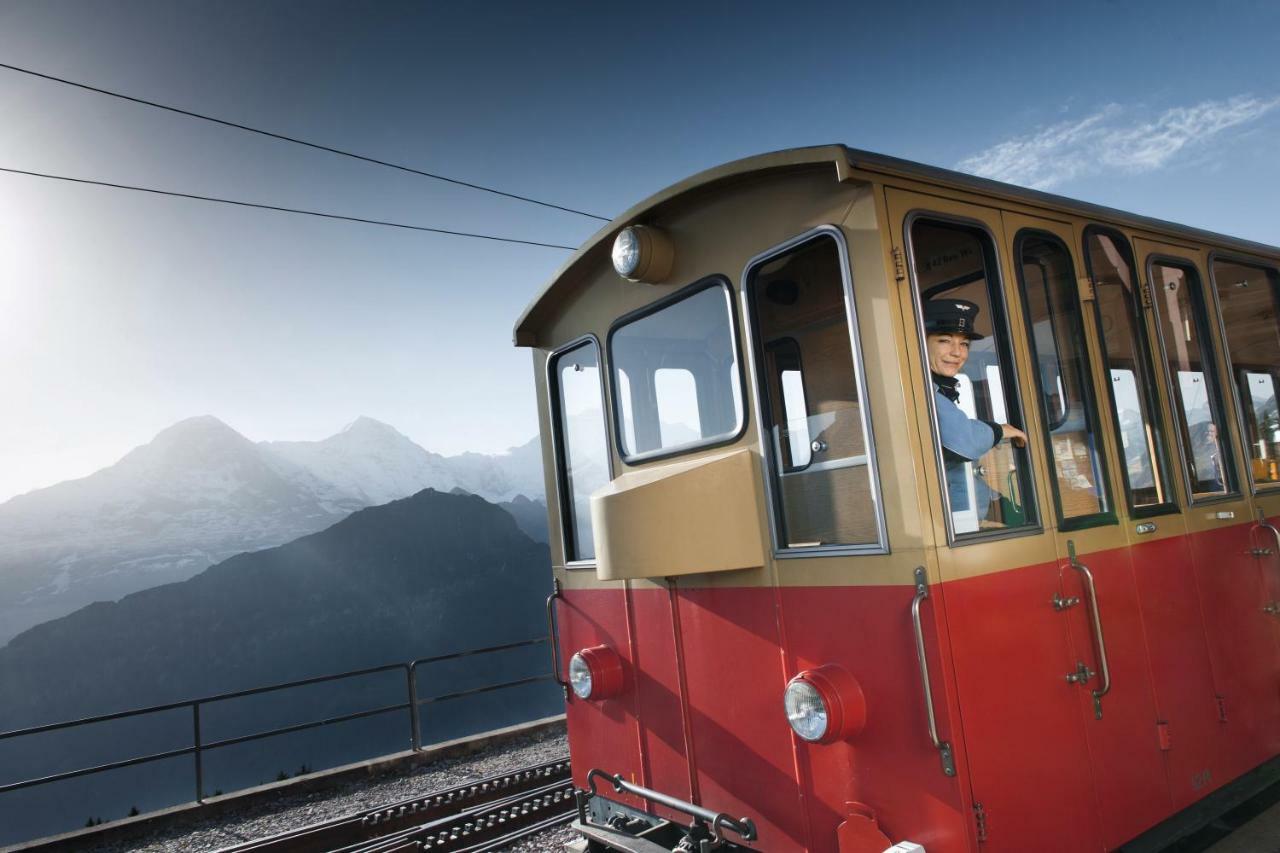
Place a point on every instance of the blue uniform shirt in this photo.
(964, 439)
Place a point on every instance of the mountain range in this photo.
(200, 492)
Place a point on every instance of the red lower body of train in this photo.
(1039, 764)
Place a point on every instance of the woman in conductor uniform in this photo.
(949, 326)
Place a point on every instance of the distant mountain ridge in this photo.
(422, 576)
(200, 492)
(428, 572)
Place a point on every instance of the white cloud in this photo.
(1112, 139)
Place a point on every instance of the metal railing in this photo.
(198, 747)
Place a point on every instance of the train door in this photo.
(709, 716)
(1247, 296)
(583, 612)
(1100, 604)
(998, 564)
(1233, 580)
(1188, 725)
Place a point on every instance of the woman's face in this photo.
(947, 352)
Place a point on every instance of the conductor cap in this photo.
(951, 315)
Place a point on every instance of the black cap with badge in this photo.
(951, 315)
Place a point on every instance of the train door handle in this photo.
(1263, 524)
(553, 635)
(1100, 643)
(943, 747)
(1060, 603)
(1081, 675)
(1271, 608)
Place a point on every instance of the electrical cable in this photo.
(296, 141)
(280, 209)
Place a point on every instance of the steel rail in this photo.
(389, 823)
(494, 825)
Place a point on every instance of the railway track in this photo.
(478, 816)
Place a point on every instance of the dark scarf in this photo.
(948, 385)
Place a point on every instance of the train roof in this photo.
(845, 160)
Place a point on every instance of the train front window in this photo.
(1056, 331)
(1116, 312)
(1189, 362)
(976, 406)
(676, 374)
(822, 482)
(582, 452)
(1250, 298)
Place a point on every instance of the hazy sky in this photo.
(123, 313)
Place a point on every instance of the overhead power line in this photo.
(296, 141)
(280, 209)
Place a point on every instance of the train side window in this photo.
(1118, 318)
(1056, 332)
(823, 486)
(988, 479)
(1190, 369)
(582, 451)
(676, 373)
(1249, 298)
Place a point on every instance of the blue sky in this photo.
(121, 313)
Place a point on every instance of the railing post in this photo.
(195, 729)
(415, 731)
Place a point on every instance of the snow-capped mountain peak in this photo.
(368, 460)
(199, 492)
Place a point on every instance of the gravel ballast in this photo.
(292, 811)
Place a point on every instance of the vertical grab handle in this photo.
(944, 748)
(553, 635)
(1263, 523)
(1091, 592)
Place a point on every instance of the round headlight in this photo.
(825, 705)
(626, 252)
(806, 712)
(580, 676)
(643, 253)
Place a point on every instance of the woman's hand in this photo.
(1016, 436)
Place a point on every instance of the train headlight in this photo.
(580, 676)
(824, 705)
(642, 253)
(806, 712)
(596, 673)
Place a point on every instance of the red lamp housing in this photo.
(603, 669)
(842, 697)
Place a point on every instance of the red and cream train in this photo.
(786, 620)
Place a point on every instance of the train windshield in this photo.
(675, 374)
